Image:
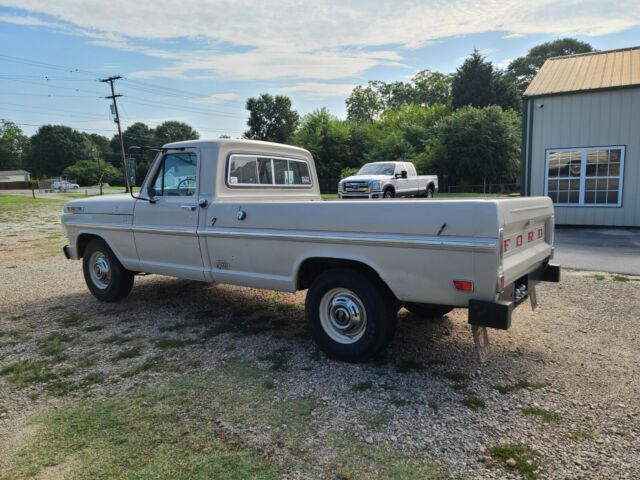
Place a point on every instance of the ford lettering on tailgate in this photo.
(523, 239)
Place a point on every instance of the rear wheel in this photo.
(105, 276)
(351, 316)
(429, 193)
(428, 310)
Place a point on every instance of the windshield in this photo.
(377, 169)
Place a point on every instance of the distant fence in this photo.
(328, 185)
(15, 185)
(505, 188)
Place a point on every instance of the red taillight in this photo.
(501, 283)
(463, 285)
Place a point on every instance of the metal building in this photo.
(581, 137)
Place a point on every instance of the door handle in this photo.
(188, 207)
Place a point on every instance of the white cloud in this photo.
(319, 90)
(503, 64)
(27, 20)
(216, 98)
(320, 40)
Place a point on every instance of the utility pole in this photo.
(113, 97)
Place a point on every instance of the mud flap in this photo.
(533, 297)
(480, 342)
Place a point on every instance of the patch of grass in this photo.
(86, 360)
(599, 277)
(60, 387)
(376, 421)
(545, 415)
(279, 359)
(583, 434)
(407, 365)
(269, 384)
(94, 328)
(55, 344)
(71, 319)
(15, 335)
(26, 372)
(362, 386)
(459, 387)
(92, 379)
(168, 342)
(435, 406)
(155, 363)
(520, 384)
(525, 458)
(116, 339)
(127, 353)
(456, 376)
(620, 278)
(473, 401)
(217, 330)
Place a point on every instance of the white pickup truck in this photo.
(388, 180)
(249, 213)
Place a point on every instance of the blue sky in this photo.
(197, 61)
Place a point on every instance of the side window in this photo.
(411, 170)
(177, 175)
(267, 171)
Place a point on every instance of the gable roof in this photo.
(587, 71)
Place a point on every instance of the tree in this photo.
(271, 118)
(473, 83)
(173, 131)
(327, 138)
(55, 147)
(14, 145)
(364, 104)
(479, 144)
(431, 88)
(506, 93)
(524, 68)
(89, 172)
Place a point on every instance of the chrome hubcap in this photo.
(343, 316)
(100, 271)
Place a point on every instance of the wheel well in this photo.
(431, 186)
(83, 241)
(312, 267)
(390, 187)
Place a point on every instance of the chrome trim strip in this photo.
(401, 241)
(101, 226)
(165, 230)
(527, 209)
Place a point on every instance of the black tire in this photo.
(120, 280)
(428, 310)
(429, 193)
(379, 305)
(388, 193)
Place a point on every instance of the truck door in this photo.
(402, 184)
(165, 231)
(413, 184)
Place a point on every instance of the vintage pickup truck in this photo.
(250, 213)
(388, 180)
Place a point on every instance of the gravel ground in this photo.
(563, 381)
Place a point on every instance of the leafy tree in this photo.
(55, 147)
(431, 88)
(524, 68)
(14, 145)
(348, 171)
(90, 172)
(364, 104)
(173, 131)
(327, 138)
(506, 93)
(478, 144)
(271, 118)
(473, 83)
(139, 135)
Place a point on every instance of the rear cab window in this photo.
(267, 171)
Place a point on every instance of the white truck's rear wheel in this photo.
(105, 276)
(428, 310)
(351, 316)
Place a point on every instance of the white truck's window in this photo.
(411, 170)
(249, 170)
(177, 176)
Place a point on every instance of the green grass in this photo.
(526, 458)
(71, 319)
(458, 377)
(545, 415)
(168, 342)
(376, 421)
(620, 278)
(520, 384)
(7, 199)
(116, 339)
(279, 359)
(55, 344)
(582, 434)
(26, 372)
(94, 328)
(435, 406)
(473, 401)
(127, 353)
(599, 277)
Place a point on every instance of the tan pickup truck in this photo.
(250, 213)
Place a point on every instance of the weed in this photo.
(620, 278)
(473, 401)
(92, 378)
(520, 384)
(60, 387)
(435, 406)
(456, 376)
(116, 339)
(582, 434)
(459, 387)
(167, 342)
(71, 319)
(94, 328)
(25, 372)
(545, 415)
(376, 421)
(524, 456)
(599, 277)
(54, 344)
(362, 386)
(86, 360)
(407, 365)
(154, 363)
(128, 353)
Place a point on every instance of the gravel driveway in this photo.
(560, 391)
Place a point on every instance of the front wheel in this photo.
(428, 310)
(105, 276)
(388, 193)
(351, 316)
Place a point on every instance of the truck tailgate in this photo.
(526, 235)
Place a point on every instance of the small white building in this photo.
(7, 176)
(581, 137)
